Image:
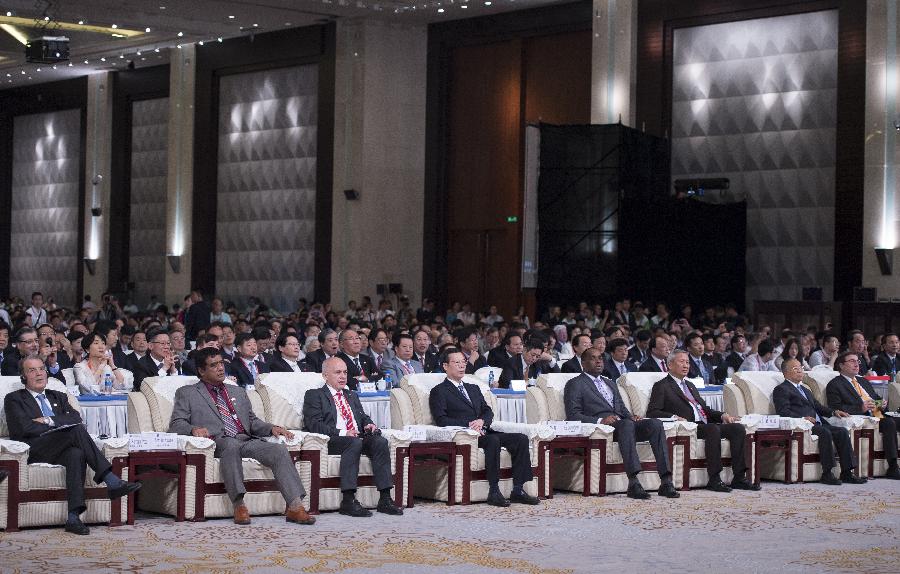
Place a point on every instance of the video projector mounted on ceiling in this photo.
(47, 50)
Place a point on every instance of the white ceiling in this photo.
(198, 20)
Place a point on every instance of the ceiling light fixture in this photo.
(9, 14)
(200, 42)
(147, 29)
(440, 10)
(180, 34)
(231, 17)
(81, 22)
(103, 59)
(114, 26)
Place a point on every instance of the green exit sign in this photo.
(512, 219)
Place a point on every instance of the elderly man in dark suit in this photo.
(794, 400)
(592, 398)
(676, 396)
(33, 413)
(887, 362)
(659, 350)
(854, 394)
(528, 365)
(360, 366)
(209, 409)
(402, 363)
(330, 348)
(580, 343)
(454, 403)
(336, 411)
(159, 360)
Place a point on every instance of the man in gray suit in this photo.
(592, 398)
(336, 411)
(209, 409)
(401, 364)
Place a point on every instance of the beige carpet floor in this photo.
(783, 528)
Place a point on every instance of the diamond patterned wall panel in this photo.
(265, 219)
(149, 168)
(755, 101)
(45, 199)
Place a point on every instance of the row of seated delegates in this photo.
(91, 372)
(32, 412)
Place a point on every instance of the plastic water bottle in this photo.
(388, 381)
(107, 384)
(491, 379)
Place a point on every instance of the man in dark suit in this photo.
(402, 363)
(678, 397)
(468, 344)
(853, 394)
(197, 317)
(699, 365)
(158, 362)
(501, 355)
(641, 349)
(580, 344)
(27, 344)
(330, 347)
(528, 365)
(360, 367)
(335, 411)
(659, 350)
(287, 355)
(887, 362)
(794, 400)
(618, 364)
(592, 398)
(33, 413)
(247, 367)
(422, 351)
(735, 358)
(454, 403)
(223, 413)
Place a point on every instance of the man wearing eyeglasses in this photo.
(360, 367)
(454, 403)
(26, 344)
(158, 362)
(854, 394)
(32, 413)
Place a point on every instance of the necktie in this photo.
(252, 368)
(665, 368)
(358, 365)
(378, 362)
(45, 406)
(694, 403)
(407, 368)
(345, 410)
(862, 392)
(805, 396)
(228, 425)
(703, 372)
(462, 391)
(622, 369)
(605, 391)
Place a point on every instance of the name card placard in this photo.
(416, 432)
(770, 422)
(153, 441)
(565, 428)
(368, 388)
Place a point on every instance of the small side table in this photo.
(775, 439)
(155, 460)
(426, 454)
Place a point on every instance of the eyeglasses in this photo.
(163, 343)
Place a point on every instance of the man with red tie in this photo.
(337, 412)
(659, 350)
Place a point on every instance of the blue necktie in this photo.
(805, 396)
(45, 406)
(463, 392)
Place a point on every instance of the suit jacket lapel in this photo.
(680, 393)
(33, 404)
(593, 387)
(201, 388)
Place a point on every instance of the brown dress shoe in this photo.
(242, 515)
(300, 516)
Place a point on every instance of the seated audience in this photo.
(360, 367)
(90, 374)
(527, 366)
(330, 347)
(468, 344)
(659, 350)
(402, 363)
(887, 362)
(287, 355)
(827, 354)
(247, 367)
(27, 344)
(762, 360)
(158, 362)
(699, 364)
(379, 350)
(580, 344)
(618, 364)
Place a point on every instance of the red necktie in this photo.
(345, 410)
(665, 368)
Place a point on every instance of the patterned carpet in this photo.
(797, 528)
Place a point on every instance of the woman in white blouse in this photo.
(90, 372)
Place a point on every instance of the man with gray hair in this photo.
(675, 396)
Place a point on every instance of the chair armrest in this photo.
(854, 422)
(13, 448)
(139, 418)
(534, 432)
(113, 446)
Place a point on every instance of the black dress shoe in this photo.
(637, 492)
(893, 473)
(123, 489)
(668, 490)
(850, 479)
(77, 527)
(387, 506)
(523, 497)
(354, 508)
(497, 499)
(717, 486)
(830, 480)
(743, 484)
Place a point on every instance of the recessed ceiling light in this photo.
(46, 18)
(200, 42)
(23, 72)
(121, 56)
(287, 23)
(114, 26)
(178, 46)
(440, 10)
(256, 25)
(219, 39)
(488, 3)
(464, 6)
(138, 52)
(81, 22)
(9, 13)
(38, 69)
(231, 17)
(156, 50)
(85, 61)
(147, 30)
(180, 34)
(103, 59)
(162, 7)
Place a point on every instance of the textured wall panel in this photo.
(755, 102)
(265, 223)
(147, 247)
(45, 200)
